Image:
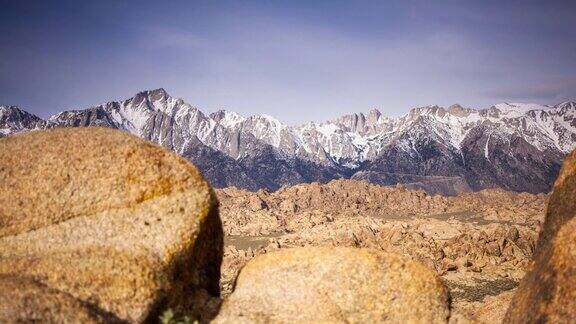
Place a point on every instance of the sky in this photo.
(295, 60)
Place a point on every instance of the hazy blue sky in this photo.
(296, 60)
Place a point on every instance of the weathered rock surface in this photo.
(490, 310)
(562, 204)
(480, 243)
(343, 285)
(24, 300)
(547, 293)
(107, 220)
(488, 235)
(290, 209)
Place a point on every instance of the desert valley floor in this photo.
(480, 243)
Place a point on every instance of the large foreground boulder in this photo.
(346, 285)
(122, 226)
(548, 291)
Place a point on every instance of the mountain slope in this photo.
(443, 150)
(14, 120)
(178, 126)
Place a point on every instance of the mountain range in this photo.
(518, 147)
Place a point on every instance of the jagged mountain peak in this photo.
(373, 116)
(14, 120)
(567, 103)
(154, 94)
(374, 111)
(152, 99)
(227, 118)
(15, 115)
(361, 123)
(458, 110)
(565, 107)
(456, 106)
(453, 142)
(514, 109)
(425, 110)
(9, 109)
(519, 106)
(230, 119)
(268, 119)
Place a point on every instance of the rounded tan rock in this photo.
(346, 285)
(547, 294)
(109, 219)
(562, 205)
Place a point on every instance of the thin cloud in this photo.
(296, 61)
(542, 91)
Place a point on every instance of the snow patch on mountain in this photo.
(230, 119)
(346, 141)
(512, 110)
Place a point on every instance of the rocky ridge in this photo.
(518, 147)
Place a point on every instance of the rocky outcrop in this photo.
(338, 285)
(95, 220)
(294, 208)
(487, 311)
(449, 186)
(547, 292)
(480, 243)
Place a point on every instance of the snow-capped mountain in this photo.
(448, 150)
(13, 120)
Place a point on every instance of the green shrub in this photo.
(168, 317)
